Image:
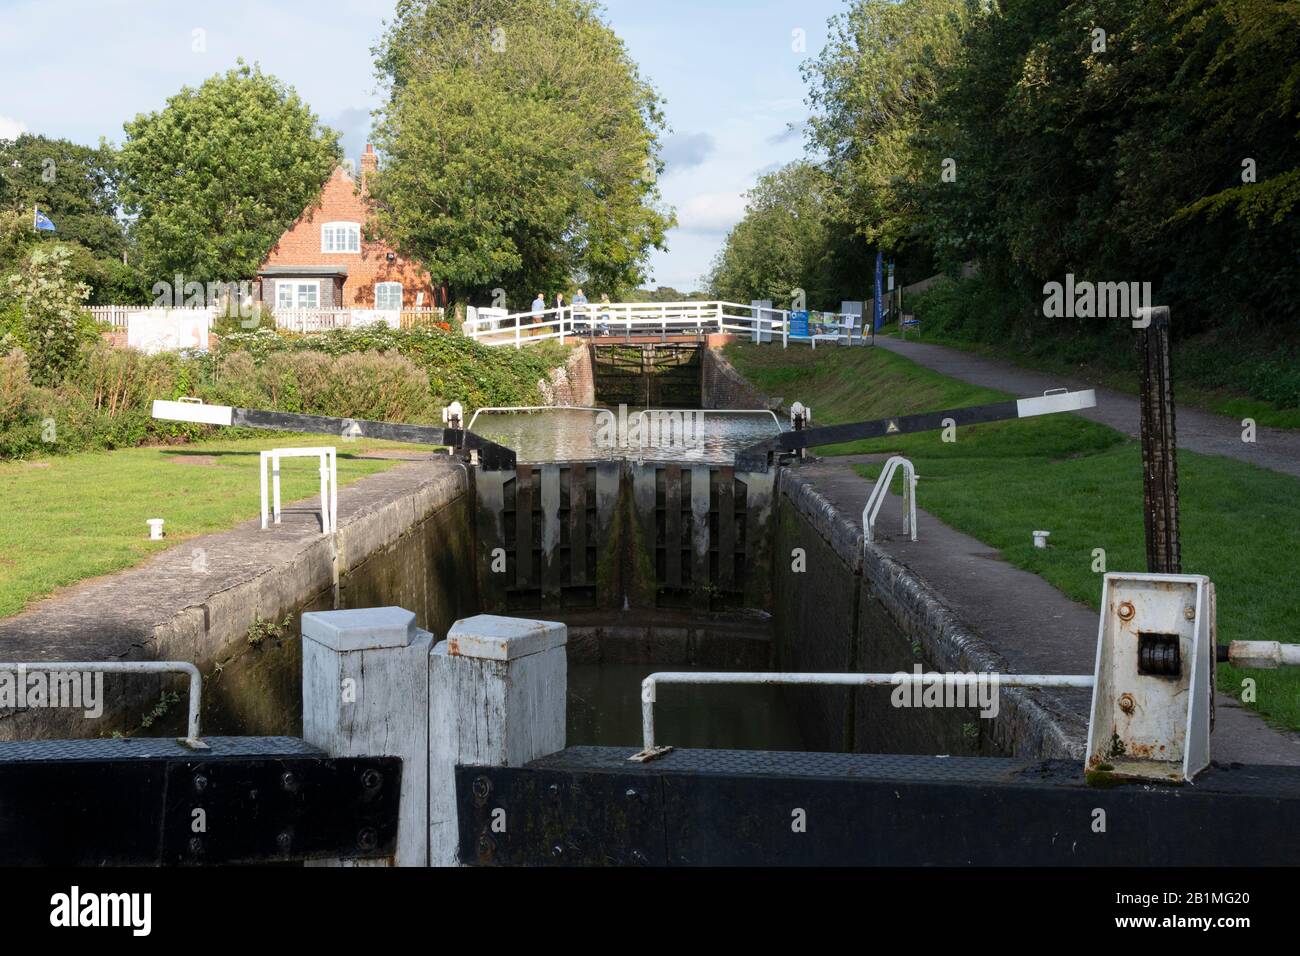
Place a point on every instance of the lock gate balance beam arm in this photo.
(491, 455)
(758, 457)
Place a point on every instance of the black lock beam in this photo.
(759, 457)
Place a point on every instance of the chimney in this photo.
(369, 164)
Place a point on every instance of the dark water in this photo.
(605, 710)
(574, 434)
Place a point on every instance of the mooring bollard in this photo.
(365, 692)
(497, 688)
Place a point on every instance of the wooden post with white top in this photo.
(497, 689)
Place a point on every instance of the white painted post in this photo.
(497, 688)
(334, 489)
(275, 482)
(263, 456)
(365, 692)
(324, 495)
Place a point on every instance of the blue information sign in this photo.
(799, 324)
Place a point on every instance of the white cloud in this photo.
(11, 128)
(711, 212)
(685, 152)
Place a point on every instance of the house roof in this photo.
(314, 271)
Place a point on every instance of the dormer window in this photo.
(340, 237)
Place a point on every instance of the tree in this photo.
(76, 186)
(789, 242)
(1118, 140)
(217, 175)
(872, 89)
(520, 147)
(1108, 138)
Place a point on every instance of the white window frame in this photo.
(340, 237)
(295, 288)
(389, 286)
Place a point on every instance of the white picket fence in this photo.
(291, 320)
(627, 319)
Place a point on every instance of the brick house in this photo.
(324, 260)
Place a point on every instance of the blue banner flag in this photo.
(876, 315)
(43, 223)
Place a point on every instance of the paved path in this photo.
(1275, 448)
(1035, 627)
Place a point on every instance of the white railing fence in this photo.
(627, 319)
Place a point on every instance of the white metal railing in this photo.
(291, 320)
(601, 319)
(881, 488)
(649, 685)
(507, 409)
(191, 738)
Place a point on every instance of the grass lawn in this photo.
(77, 516)
(1076, 478)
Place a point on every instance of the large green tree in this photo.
(76, 186)
(217, 175)
(1112, 138)
(789, 242)
(872, 89)
(1119, 140)
(520, 147)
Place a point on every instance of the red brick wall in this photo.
(340, 201)
(574, 382)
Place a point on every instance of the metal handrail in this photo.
(877, 498)
(134, 667)
(536, 408)
(649, 685)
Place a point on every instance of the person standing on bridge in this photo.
(604, 313)
(579, 301)
(539, 306)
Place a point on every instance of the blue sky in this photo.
(729, 70)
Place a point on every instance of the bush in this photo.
(20, 401)
(381, 374)
(54, 324)
(384, 387)
(458, 368)
(13, 330)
